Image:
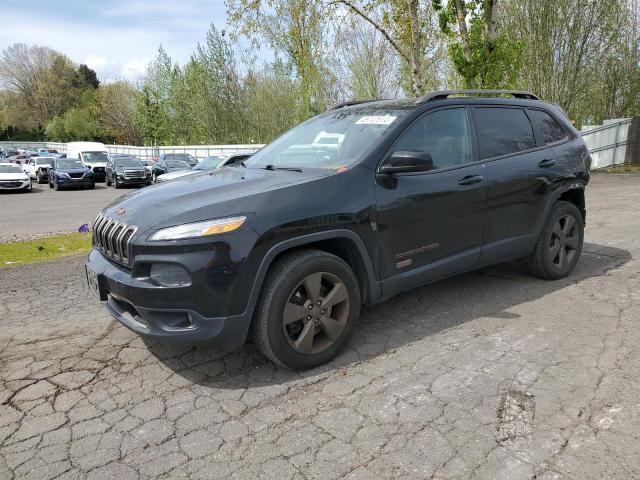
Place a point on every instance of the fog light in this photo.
(169, 275)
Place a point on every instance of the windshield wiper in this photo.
(289, 169)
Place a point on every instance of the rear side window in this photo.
(502, 131)
(549, 129)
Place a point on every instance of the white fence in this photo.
(198, 151)
(607, 143)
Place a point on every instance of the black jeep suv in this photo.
(349, 208)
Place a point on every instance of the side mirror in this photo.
(407, 161)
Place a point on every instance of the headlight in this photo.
(199, 229)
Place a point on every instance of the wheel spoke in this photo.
(557, 230)
(554, 251)
(312, 286)
(562, 258)
(304, 342)
(569, 222)
(293, 313)
(332, 328)
(572, 242)
(338, 294)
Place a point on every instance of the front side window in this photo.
(548, 127)
(444, 134)
(502, 131)
(329, 141)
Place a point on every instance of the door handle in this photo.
(546, 163)
(470, 180)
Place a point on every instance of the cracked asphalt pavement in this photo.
(491, 375)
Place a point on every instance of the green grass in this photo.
(621, 169)
(48, 248)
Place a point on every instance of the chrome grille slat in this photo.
(112, 238)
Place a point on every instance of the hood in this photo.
(177, 174)
(176, 169)
(13, 176)
(73, 170)
(95, 164)
(207, 195)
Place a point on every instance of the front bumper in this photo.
(133, 181)
(163, 314)
(75, 182)
(14, 184)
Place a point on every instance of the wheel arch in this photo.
(343, 243)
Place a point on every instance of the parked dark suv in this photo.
(126, 170)
(290, 244)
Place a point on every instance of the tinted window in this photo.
(549, 129)
(502, 131)
(443, 134)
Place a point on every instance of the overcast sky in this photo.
(117, 38)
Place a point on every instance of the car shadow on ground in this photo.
(411, 316)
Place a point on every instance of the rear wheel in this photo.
(560, 244)
(308, 309)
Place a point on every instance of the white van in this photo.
(93, 155)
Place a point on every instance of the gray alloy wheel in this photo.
(308, 309)
(560, 243)
(316, 313)
(564, 241)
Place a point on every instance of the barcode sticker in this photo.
(376, 120)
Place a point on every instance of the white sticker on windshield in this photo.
(376, 120)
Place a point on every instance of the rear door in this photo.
(430, 223)
(522, 171)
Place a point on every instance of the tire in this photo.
(56, 187)
(559, 246)
(285, 285)
(115, 183)
(154, 177)
(50, 184)
(108, 181)
(39, 179)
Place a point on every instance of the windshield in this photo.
(127, 162)
(332, 140)
(92, 157)
(10, 169)
(177, 164)
(209, 163)
(69, 163)
(43, 161)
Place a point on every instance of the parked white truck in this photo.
(93, 155)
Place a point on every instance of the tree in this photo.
(87, 77)
(295, 28)
(407, 26)
(117, 103)
(482, 56)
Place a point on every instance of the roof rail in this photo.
(349, 103)
(443, 94)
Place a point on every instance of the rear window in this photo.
(549, 129)
(502, 131)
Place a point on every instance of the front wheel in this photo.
(39, 178)
(115, 182)
(50, 184)
(560, 243)
(56, 187)
(108, 181)
(154, 177)
(308, 309)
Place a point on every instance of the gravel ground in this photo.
(491, 375)
(44, 211)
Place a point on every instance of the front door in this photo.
(430, 224)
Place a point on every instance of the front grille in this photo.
(10, 184)
(43, 169)
(98, 169)
(112, 238)
(76, 175)
(135, 173)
